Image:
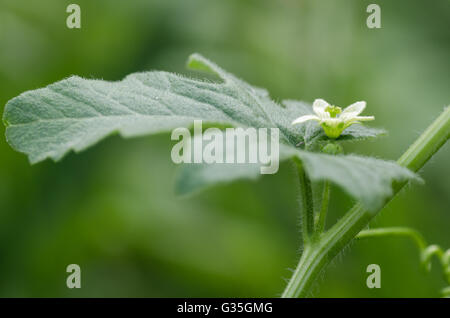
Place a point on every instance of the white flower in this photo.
(333, 119)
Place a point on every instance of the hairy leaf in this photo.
(368, 180)
(76, 113)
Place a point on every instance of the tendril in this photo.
(426, 251)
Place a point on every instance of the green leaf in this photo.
(76, 113)
(368, 180)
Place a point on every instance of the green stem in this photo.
(428, 143)
(307, 207)
(320, 226)
(315, 257)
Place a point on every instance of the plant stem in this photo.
(433, 138)
(318, 254)
(324, 209)
(307, 207)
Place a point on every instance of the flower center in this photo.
(333, 111)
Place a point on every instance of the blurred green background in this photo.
(112, 209)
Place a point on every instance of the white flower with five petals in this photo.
(333, 119)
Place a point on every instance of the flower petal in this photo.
(302, 119)
(357, 120)
(353, 110)
(364, 118)
(319, 106)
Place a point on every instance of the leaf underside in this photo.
(76, 113)
(368, 180)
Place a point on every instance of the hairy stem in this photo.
(320, 226)
(315, 257)
(307, 207)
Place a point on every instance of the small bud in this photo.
(333, 149)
